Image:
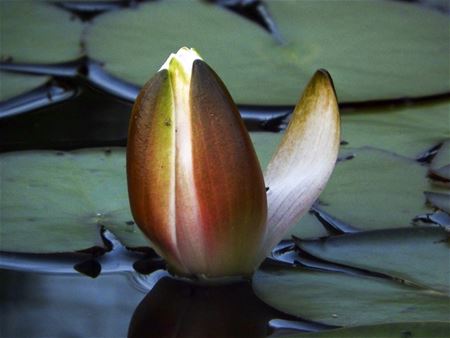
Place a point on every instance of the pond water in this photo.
(120, 305)
(51, 305)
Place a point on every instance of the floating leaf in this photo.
(418, 255)
(440, 165)
(307, 227)
(376, 189)
(439, 200)
(395, 330)
(265, 144)
(58, 201)
(403, 42)
(407, 131)
(380, 58)
(340, 299)
(38, 32)
(13, 84)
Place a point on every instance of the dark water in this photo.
(49, 305)
(128, 304)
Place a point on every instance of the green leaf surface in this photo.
(307, 227)
(419, 255)
(400, 44)
(13, 84)
(439, 200)
(340, 299)
(391, 51)
(394, 330)
(407, 131)
(38, 32)
(376, 189)
(440, 165)
(58, 201)
(265, 144)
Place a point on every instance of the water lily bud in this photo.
(195, 185)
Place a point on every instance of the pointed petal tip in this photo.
(323, 76)
(305, 157)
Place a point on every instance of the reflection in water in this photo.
(175, 308)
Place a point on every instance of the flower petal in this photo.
(150, 163)
(224, 186)
(304, 159)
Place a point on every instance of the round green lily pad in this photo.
(401, 50)
(38, 32)
(13, 84)
(407, 131)
(431, 329)
(376, 189)
(56, 201)
(340, 299)
(418, 255)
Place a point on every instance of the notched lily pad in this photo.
(418, 255)
(376, 189)
(55, 201)
(406, 131)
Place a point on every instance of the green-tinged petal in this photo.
(304, 159)
(195, 184)
(150, 165)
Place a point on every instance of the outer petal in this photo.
(304, 159)
(150, 165)
(221, 199)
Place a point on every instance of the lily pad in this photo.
(38, 32)
(370, 59)
(307, 227)
(394, 330)
(14, 84)
(265, 144)
(407, 131)
(439, 200)
(340, 299)
(376, 189)
(58, 201)
(418, 255)
(403, 43)
(440, 166)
